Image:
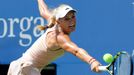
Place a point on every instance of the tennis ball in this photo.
(108, 58)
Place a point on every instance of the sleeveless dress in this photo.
(36, 57)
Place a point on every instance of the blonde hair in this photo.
(50, 24)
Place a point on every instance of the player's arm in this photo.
(65, 42)
(43, 9)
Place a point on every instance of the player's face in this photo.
(68, 22)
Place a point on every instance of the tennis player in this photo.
(52, 44)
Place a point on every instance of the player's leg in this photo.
(28, 69)
(13, 68)
(22, 68)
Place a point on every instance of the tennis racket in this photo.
(121, 65)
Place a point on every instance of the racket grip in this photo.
(102, 68)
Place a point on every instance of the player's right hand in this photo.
(94, 66)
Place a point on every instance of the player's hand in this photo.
(94, 66)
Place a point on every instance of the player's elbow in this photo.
(71, 49)
(67, 47)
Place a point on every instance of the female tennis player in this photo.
(52, 44)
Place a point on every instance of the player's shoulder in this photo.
(63, 36)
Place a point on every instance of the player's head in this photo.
(65, 17)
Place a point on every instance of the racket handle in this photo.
(102, 68)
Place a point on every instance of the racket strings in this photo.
(124, 65)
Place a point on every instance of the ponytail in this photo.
(40, 27)
(52, 22)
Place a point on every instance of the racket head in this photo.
(121, 65)
(124, 65)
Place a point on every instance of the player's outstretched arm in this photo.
(65, 42)
(43, 9)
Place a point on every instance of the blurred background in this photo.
(103, 26)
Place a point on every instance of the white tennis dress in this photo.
(36, 57)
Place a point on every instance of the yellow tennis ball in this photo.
(108, 58)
